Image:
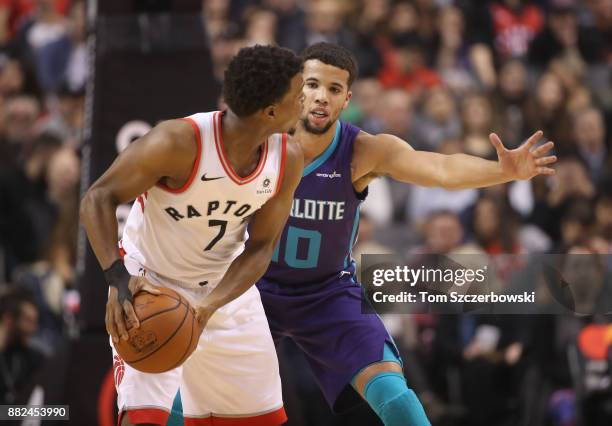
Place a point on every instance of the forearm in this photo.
(462, 171)
(244, 272)
(98, 216)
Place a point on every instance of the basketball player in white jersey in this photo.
(198, 182)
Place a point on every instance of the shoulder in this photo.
(367, 145)
(174, 139)
(294, 161)
(379, 143)
(294, 152)
(365, 139)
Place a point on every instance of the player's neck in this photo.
(241, 137)
(314, 144)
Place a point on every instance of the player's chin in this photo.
(318, 126)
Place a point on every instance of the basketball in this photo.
(167, 335)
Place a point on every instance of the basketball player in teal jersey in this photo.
(311, 294)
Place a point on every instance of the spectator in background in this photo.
(366, 103)
(510, 100)
(14, 14)
(75, 73)
(216, 16)
(492, 369)
(369, 21)
(49, 278)
(439, 120)
(27, 216)
(500, 30)
(395, 111)
(507, 26)
(325, 21)
(65, 120)
(563, 38)
(477, 118)
(573, 76)
(404, 66)
(223, 49)
(443, 233)
(20, 114)
(452, 59)
(370, 18)
(44, 42)
(12, 78)
(260, 26)
(403, 20)
(603, 218)
(62, 178)
(19, 361)
(589, 134)
(571, 181)
(495, 226)
(290, 19)
(601, 11)
(576, 224)
(546, 110)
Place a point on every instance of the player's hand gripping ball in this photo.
(167, 335)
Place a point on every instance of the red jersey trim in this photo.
(275, 418)
(227, 166)
(106, 400)
(199, 421)
(281, 172)
(141, 202)
(156, 416)
(122, 251)
(196, 163)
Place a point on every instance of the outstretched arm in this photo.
(264, 232)
(390, 156)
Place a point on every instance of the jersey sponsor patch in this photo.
(331, 175)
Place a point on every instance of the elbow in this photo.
(448, 173)
(444, 180)
(263, 252)
(449, 185)
(93, 199)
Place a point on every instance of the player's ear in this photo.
(349, 95)
(270, 112)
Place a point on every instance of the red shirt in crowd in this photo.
(18, 11)
(515, 29)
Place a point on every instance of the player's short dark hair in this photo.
(259, 76)
(334, 55)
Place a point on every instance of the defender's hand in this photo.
(522, 162)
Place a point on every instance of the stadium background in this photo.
(80, 80)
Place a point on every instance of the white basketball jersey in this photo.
(192, 234)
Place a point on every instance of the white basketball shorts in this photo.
(231, 379)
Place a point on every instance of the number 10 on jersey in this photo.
(313, 242)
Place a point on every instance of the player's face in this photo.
(326, 95)
(290, 107)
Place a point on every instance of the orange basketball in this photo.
(167, 335)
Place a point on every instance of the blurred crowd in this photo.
(43, 71)
(442, 75)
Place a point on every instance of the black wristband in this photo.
(119, 277)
